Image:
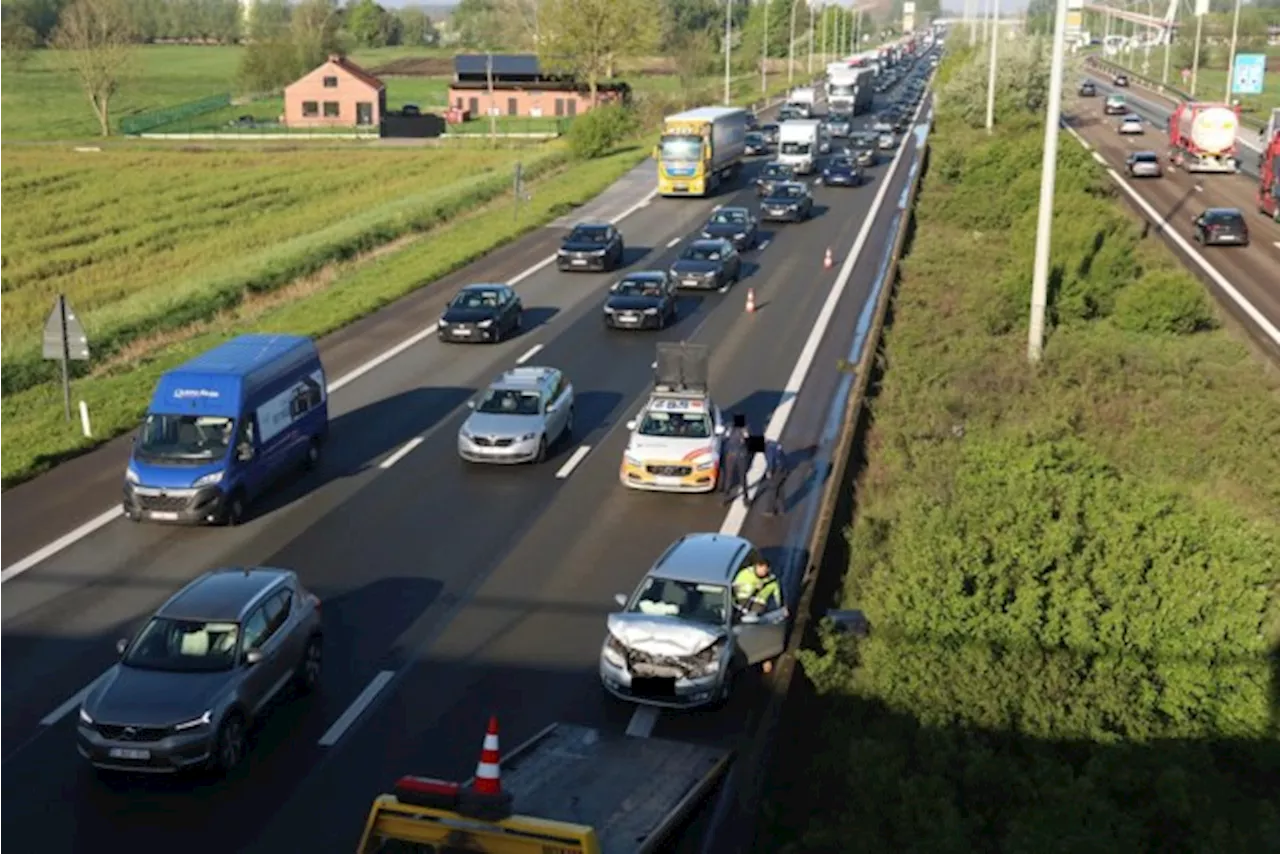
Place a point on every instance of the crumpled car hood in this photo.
(657, 635)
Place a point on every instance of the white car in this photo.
(1131, 124)
(675, 444)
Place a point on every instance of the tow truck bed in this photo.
(633, 791)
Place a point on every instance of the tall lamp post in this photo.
(991, 70)
(791, 48)
(764, 52)
(1048, 178)
(1231, 60)
(1195, 53)
(812, 12)
(728, 39)
(1167, 33)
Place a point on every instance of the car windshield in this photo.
(729, 218)
(184, 646)
(1145, 157)
(776, 170)
(698, 603)
(589, 235)
(678, 148)
(637, 288)
(505, 401)
(1132, 118)
(702, 253)
(788, 192)
(838, 120)
(755, 138)
(477, 299)
(1222, 217)
(795, 148)
(841, 163)
(676, 425)
(772, 127)
(185, 437)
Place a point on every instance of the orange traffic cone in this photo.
(488, 778)
(826, 260)
(751, 300)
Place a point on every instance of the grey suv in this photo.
(190, 683)
(519, 416)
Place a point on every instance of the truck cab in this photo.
(1269, 185)
(798, 145)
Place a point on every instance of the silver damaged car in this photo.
(518, 417)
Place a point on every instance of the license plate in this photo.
(667, 480)
(692, 283)
(579, 262)
(463, 332)
(629, 318)
(129, 753)
(164, 516)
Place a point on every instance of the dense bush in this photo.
(596, 133)
(1070, 573)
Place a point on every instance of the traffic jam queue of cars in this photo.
(226, 426)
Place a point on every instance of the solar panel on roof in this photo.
(523, 65)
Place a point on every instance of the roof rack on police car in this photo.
(681, 368)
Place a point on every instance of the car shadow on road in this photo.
(533, 318)
(758, 407)
(633, 255)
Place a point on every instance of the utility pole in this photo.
(1231, 60)
(728, 38)
(791, 49)
(1195, 53)
(826, 57)
(857, 31)
(812, 11)
(764, 52)
(839, 26)
(493, 118)
(1146, 46)
(1167, 34)
(1048, 178)
(968, 19)
(991, 71)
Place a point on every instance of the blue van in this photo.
(223, 426)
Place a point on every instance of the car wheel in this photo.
(568, 425)
(518, 324)
(312, 459)
(309, 669)
(132, 514)
(234, 513)
(229, 748)
(542, 451)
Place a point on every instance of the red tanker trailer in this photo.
(1203, 137)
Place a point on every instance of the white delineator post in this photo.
(84, 419)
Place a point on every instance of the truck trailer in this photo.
(568, 790)
(1269, 185)
(700, 149)
(1203, 137)
(850, 90)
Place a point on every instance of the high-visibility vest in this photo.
(750, 589)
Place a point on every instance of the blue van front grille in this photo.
(162, 503)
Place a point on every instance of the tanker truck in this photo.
(1202, 137)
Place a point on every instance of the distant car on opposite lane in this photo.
(1144, 164)
(1221, 227)
(733, 223)
(642, 300)
(887, 141)
(1120, 80)
(1131, 124)
(479, 313)
(709, 263)
(1088, 89)
(591, 246)
(789, 202)
(518, 417)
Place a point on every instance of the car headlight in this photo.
(614, 652)
(442, 322)
(706, 235)
(131, 475)
(84, 717)
(208, 480)
(597, 251)
(740, 235)
(650, 311)
(708, 661)
(485, 324)
(632, 460)
(464, 433)
(528, 437)
(203, 720)
(608, 309)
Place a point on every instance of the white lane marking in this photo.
(642, 722)
(1199, 189)
(405, 450)
(107, 516)
(573, 461)
(763, 244)
(1276, 244)
(1267, 327)
(72, 704)
(1098, 157)
(356, 709)
(672, 242)
(533, 351)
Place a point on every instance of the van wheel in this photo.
(234, 513)
(312, 460)
(132, 515)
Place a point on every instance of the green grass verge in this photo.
(36, 436)
(1071, 574)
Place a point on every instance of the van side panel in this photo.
(290, 410)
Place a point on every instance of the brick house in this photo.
(337, 94)
(521, 89)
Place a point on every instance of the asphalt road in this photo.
(477, 589)
(1254, 271)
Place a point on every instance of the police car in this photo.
(676, 440)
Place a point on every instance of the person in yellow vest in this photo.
(756, 590)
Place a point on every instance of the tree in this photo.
(367, 22)
(478, 24)
(98, 37)
(587, 37)
(313, 30)
(416, 27)
(17, 40)
(694, 54)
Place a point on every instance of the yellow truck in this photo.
(568, 790)
(700, 149)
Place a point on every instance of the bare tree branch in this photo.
(98, 38)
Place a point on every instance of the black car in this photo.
(841, 171)
(770, 132)
(771, 174)
(643, 300)
(786, 113)
(737, 225)
(1221, 227)
(1120, 80)
(1088, 90)
(862, 147)
(789, 202)
(753, 121)
(591, 246)
(903, 123)
(839, 125)
(756, 143)
(481, 313)
(710, 264)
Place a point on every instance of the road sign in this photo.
(64, 342)
(1202, 8)
(1250, 68)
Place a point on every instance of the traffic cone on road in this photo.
(827, 263)
(488, 777)
(751, 300)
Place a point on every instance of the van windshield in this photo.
(193, 438)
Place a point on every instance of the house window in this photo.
(331, 83)
(559, 107)
(573, 106)
(310, 109)
(513, 107)
(332, 110)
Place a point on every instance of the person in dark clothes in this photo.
(735, 459)
(775, 478)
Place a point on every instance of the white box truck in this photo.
(803, 100)
(798, 145)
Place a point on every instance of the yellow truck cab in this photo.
(699, 149)
(568, 790)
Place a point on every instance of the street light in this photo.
(764, 52)
(991, 71)
(1231, 61)
(812, 10)
(791, 50)
(1048, 177)
(728, 38)
(1195, 53)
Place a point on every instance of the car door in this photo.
(557, 412)
(732, 263)
(262, 634)
(759, 638)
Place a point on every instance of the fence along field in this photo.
(143, 242)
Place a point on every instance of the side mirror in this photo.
(122, 645)
(631, 425)
(720, 430)
(621, 599)
(252, 657)
(471, 404)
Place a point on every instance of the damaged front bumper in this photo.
(667, 681)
